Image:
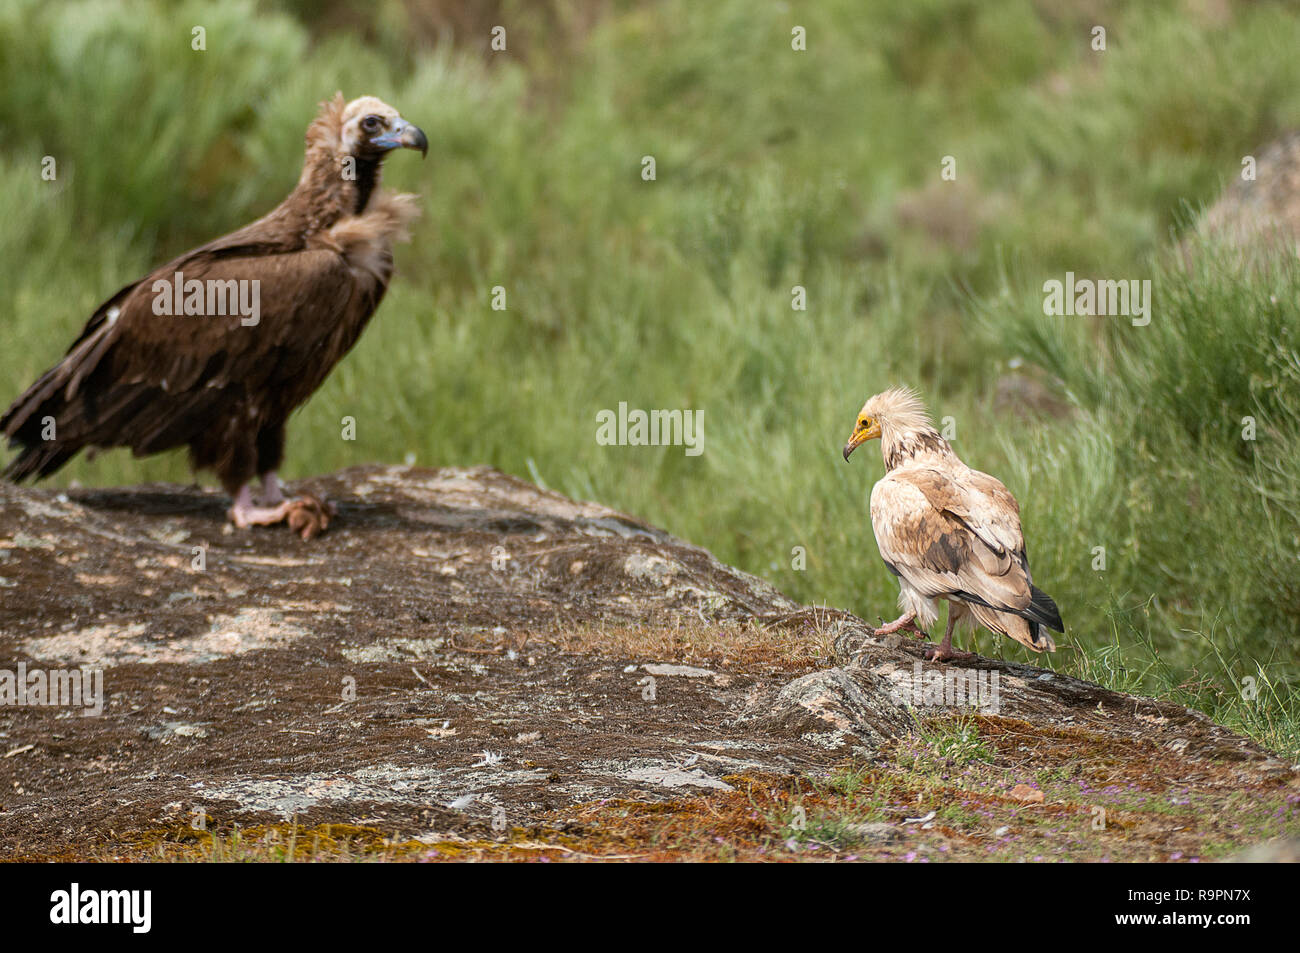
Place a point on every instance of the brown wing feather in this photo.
(151, 382)
(957, 535)
(929, 531)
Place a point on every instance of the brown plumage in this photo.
(948, 532)
(224, 384)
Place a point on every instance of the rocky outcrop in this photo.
(460, 651)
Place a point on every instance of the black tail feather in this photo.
(1042, 609)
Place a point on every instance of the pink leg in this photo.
(905, 621)
(307, 515)
(272, 493)
(944, 650)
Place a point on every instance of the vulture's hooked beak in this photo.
(860, 436)
(403, 135)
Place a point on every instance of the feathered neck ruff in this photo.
(333, 184)
(907, 433)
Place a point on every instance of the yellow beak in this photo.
(860, 436)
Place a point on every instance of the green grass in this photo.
(955, 739)
(774, 169)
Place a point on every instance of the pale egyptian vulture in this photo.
(948, 532)
(223, 383)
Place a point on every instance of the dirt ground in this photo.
(467, 667)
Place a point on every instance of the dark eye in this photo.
(371, 124)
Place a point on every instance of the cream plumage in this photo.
(948, 532)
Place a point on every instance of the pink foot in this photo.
(306, 515)
(940, 653)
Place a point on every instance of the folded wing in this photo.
(153, 381)
(956, 535)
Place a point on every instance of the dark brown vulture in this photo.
(216, 348)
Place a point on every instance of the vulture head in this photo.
(346, 146)
(370, 128)
(889, 414)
